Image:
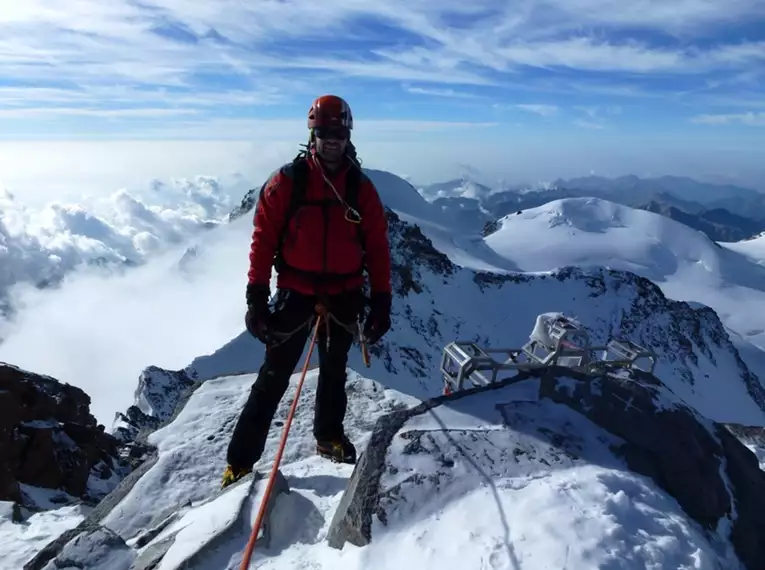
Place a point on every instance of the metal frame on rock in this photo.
(566, 344)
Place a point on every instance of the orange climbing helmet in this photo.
(330, 111)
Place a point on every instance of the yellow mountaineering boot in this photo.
(233, 474)
(339, 451)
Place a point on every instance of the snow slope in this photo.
(590, 232)
(753, 249)
(20, 542)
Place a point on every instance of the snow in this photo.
(686, 264)
(759, 451)
(754, 248)
(21, 541)
(192, 448)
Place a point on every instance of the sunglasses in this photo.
(336, 133)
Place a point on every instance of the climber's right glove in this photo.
(258, 317)
(378, 321)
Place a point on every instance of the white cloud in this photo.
(588, 124)
(441, 92)
(40, 244)
(157, 50)
(678, 17)
(593, 111)
(538, 109)
(103, 326)
(98, 332)
(751, 118)
(27, 112)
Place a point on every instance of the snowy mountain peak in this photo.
(463, 187)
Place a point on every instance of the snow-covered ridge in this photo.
(685, 263)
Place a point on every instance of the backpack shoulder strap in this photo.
(352, 184)
(297, 170)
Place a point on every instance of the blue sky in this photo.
(605, 77)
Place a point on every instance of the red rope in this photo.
(285, 432)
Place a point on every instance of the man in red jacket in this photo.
(320, 241)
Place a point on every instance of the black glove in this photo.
(258, 317)
(378, 321)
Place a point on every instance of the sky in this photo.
(101, 94)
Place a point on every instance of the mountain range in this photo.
(555, 469)
(724, 213)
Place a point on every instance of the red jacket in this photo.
(321, 250)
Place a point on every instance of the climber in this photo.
(319, 222)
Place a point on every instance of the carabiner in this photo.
(352, 216)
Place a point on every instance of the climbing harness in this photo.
(321, 316)
(355, 329)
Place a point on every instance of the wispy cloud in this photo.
(538, 109)
(170, 58)
(588, 124)
(751, 118)
(26, 112)
(436, 92)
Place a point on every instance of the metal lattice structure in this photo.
(555, 341)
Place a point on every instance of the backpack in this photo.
(300, 172)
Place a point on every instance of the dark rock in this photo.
(133, 422)
(49, 439)
(158, 396)
(93, 520)
(413, 252)
(746, 478)
(152, 556)
(211, 554)
(247, 204)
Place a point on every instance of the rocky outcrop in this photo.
(49, 439)
(92, 543)
(713, 476)
(247, 204)
(94, 548)
(413, 255)
(157, 397)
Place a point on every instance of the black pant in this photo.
(291, 310)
